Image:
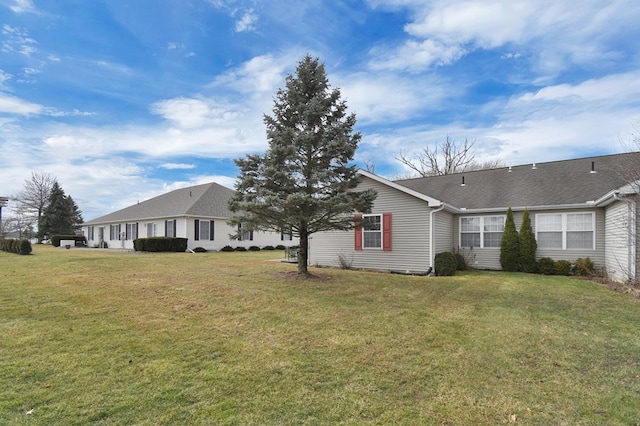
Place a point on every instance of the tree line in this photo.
(42, 209)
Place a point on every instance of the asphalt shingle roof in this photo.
(207, 200)
(553, 183)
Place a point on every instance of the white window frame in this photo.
(151, 226)
(565, 229)
(204, 234)
(368, 233)
(483, 223)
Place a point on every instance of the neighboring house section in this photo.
(578, 208)
(198, 213)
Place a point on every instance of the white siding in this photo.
(410, 236)
(618, 237)
(443, 232)
(185, 228)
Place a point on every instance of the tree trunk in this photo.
(303, 253)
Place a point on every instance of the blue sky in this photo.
(123, 101)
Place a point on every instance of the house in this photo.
(198, 213)
(579, 208)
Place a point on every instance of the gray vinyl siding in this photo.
(443, 232)
(617, 241)
(489, 258)
(410, 236)
(597, 255)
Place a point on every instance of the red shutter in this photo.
(358, 232)
(386, 232)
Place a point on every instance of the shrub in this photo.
(445, 264)
(200, 250)
(254, 248)
(510, 246)
(268, 248)
(24, 247)
(226, 248)
(280, 247)
(15, 246)
(160, 244)
(528, 245)
(546, 266)
(562, 267)
(461, 262)
(583, 267)
(240, 248)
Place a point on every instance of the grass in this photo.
(101, 337)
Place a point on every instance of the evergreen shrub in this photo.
(254, 248)
(562, 267)
(160, 244)
(510, 246)
(461, 262)
(546, 266)
(583, 267)
(528, 245)
(240, 248)
(445, 264)
(200, 250)
(226, 248)
(268, 248)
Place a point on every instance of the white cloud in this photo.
(190, 113)
(177, 166)
(12, 105)
(247, 22)
(22, 6)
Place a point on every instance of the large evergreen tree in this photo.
(528, 245)
(510, 246)
(58, 217)
(303, 184)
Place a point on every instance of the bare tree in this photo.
(446, 158)
(35, 196)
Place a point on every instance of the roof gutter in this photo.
(432, 235)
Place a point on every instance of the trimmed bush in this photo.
(240, 248)
(546, 266)
(562, 267)
(226, 248)
(160, 244)
(583, 267)
(461, 262)
(510, 246)
(254, 248)
(445, 264)
(528, 245)
(22, 247)
(268, 248)
(200, 250)
(280, 247)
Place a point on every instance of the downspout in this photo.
(631, 252)
(431, 235)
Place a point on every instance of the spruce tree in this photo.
(58, 216)
(303, 183)
(510, 246)
(528, 245)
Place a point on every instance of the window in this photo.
(101, 233)
(114, 232)
(481, 231)
(246, 235)
(131, 231)
(90, 233)
(170, 228)
(203, 230)
(151, 229)
(372, 231)
(285, 235)
(566, 231)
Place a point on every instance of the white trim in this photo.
(432, 201)
(564, 230)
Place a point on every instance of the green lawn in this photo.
(99, 337)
